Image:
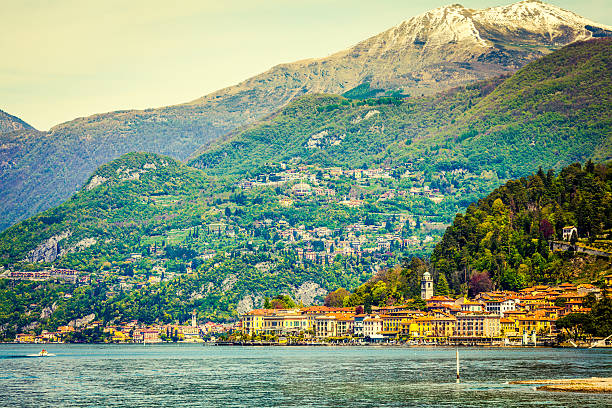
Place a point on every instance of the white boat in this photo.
(45, 353)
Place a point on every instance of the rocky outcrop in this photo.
(228, 283)
(82, 244)
(48, 311)
(248, 303)
(83, 321)
(307, 292)
(49, 250)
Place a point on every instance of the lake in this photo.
(200, 376)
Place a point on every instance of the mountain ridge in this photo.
(10, 123)
(49, 166)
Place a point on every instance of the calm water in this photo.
(197, 376)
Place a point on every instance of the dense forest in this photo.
(504, 240)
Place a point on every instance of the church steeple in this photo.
(427, 287)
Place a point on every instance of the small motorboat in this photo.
(43, 353)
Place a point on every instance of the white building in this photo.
(500, 306)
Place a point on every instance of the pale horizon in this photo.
(73, 59)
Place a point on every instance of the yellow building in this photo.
(443, 326)
(529, 324)
(473, 325)
(25, 338)
(120, 337)
(417, 327)
(508, 327)
(285, 322)
(252, 322)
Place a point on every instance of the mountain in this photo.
(323, 194)
(554, 111)
(10, 123)
(504, 240)
(443, 48)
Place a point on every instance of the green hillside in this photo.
(42, 169)
(505, 240)
(553, 112)
(323, 194)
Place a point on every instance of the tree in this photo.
(336, 298)
(574, 324)
(480, 282)
(546, 229)
(441, 288)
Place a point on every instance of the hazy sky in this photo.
(62, 59)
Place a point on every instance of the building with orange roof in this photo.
(440, 301)
(470, 306)
(333, 325)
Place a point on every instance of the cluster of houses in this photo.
(68, 275)
(524, 317)
(315, 181)
(134, 332)
(322, 244)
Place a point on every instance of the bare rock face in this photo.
(247, 303)
(307, 292)
(83, 321)
(48, 311)
(228, 283)
(49, 250)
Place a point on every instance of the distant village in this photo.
(499, 318)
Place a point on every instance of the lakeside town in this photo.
(498, 318)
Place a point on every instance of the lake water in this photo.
(198, 376)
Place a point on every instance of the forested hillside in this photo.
(327, 193)
(10, 123)
(504, 240)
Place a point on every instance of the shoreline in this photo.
(593, 385)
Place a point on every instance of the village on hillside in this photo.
(497, 318)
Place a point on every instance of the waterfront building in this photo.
(283, 322)
(146, 336)
(443, 326)
(252, 322)
(372, 327)
(358, 324)
(535, 324)
(477, 325)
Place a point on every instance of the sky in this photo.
(63, 59)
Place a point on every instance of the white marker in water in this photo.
(457, 353)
